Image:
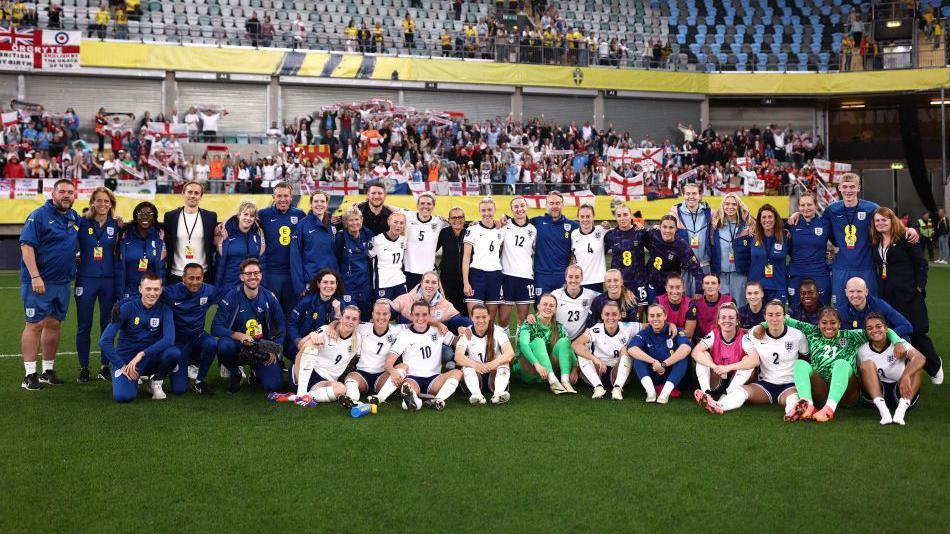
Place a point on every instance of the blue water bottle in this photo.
(362, 409)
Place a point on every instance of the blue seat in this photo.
(735, 48)
(756, 48)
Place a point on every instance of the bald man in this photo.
(860, 304)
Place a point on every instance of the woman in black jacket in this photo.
(902, 282)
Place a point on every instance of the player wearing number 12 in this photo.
(517, 264)
(278, 222)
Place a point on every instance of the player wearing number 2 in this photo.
(587, 246)
(481, 261)
(323, 358)
(626, 245)
(517, 264)
(388, 250)
(278, 222)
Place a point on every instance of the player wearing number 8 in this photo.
(670, 254)
(278, 222)
(626, 245)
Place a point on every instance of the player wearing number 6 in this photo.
(484, 358)
(323, 358)
(481, 261)
(278, 222)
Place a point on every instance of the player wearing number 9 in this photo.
(278, 222)
(324, 357)
(246, 314)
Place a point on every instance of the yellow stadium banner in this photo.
(16, 211)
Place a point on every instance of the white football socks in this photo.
(387, 389)
(589, 370)
(29, 368)
(447, 389)
(623, 371)
(324, 394)
(886, 418)
(502, 376)
(471, 380)
(667, 389)
(734, 399)
(790, 402)
(648, 386)
(48, 365)
(902, 406)
(739, 379)
(352, 389)
(702, 376)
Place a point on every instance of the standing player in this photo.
(574, 302)
(47, 266)
(485, 359)
(98, 234)
(481, 261)
(517, 264)
(389, 251)
(716, 355)
(146, 341)
(278, 222)
(670, 254)
(775, 354)
(312, 244)
(422, 236)
(376, 340)
(587, 246)
(659, 355)
(419, 346)
(626, 246)
(599, 353)
(553, 246)
(808, 246)
(679, 308)
(891, 381)
(323, 358)
(693, 217)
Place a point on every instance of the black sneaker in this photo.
(31, 383)
(235, 384)
(346, 402)
(49, 377)
(436, 404)
(373, 399)
(83, 375)
(202, 388)
(105, 374)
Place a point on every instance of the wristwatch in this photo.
(663, 365)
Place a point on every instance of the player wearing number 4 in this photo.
(388, 251)
(420, 347)
(601, 352)
(481, 261)
(278, 222)
(323, 358)
(659, 356)
(891, 381)
(587, 246)
(484, 358)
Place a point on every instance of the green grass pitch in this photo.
(74, 461)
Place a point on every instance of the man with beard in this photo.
(375, 212)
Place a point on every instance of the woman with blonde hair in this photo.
(544, 343)
(729, 238)
(352, 252)
(98, 262)
(241, 237)
(324, 357)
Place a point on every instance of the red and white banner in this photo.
(165, 129)
(744, 163)
(571, 200)
(341, 189)
(10, 118)
(466, 189)
(27, 49)
(691, 174)
(86, 186)
(307, 152)
(648, 158)
(619, 185)
(26, 188)
(752, 184)
(831, 171)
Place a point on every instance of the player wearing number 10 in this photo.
(278, 222)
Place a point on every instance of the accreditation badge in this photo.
(143, 265)
(884, 273)
(189, 252)
(732, 257)
(694, 241)
(769, 271)
(97, 253)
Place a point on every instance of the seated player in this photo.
(716, 354)
(485, 359)
(543, 344)
(376, 339)
(190, 301)
(246, 314)
(808, 305)
(146, 345)
(891, 382)
(388, 250)
(419, 346)
(618, 293)
(707, 307)
(753, 312)
(599, 353)
(323, 359)
(775, 355)
(679, 307)
(573, 302)
(659, 355)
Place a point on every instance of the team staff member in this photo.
(320, 305)
(352, 252)
(860, 304)
(693, 218)
(98, 235)
(141, 250)
(626, 245)
(189, 234)
(47, 266)
(246, 314)
(190, 301)
(374, 210)
(729, 235)
(452, 244)
(240, 238)
(808, 244)
(278, 222)
(554, 246)
(422, 236)
(902, 282)
(768, 253)
(312, 244)
(146, 341)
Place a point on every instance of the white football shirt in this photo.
(517, 251)
(777, 356)
(588, 252)
(889, 367)
(486, 247)
(477, 347)
(330, 360)
(572, 312)
(390, 256)
(422, 238)
(609, 348)
(375, 349)
(422, 352)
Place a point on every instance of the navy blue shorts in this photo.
(486, 286)
(891, 392)
(370, 378)
(774, 391)
(391, 292)
(517, 290)
(315, 379)
(53, 303)
(422, 381)
(546, 283)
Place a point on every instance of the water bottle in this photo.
(362, 409)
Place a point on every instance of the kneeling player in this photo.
(775, 356)
(891, 381)
(420, 347)
(716, 354)
(376, 339)
(323, 358)
(485, 359)
(659, 355)
(599, 350)
(146, 341)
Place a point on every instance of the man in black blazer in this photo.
(189, 234)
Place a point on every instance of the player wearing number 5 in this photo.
(239, 238)
(246, 314)
(769, 252)
(141, 250)
(278, 222)
(481, 261)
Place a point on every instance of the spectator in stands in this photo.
(252, 28)
(121, 24)
(101, 24)
(209, 122)
(134, 9)
(267, 32)
(351, 34)
(378, 44)
(55, 15)
(446, 40)
(299, 34)
(409, 31)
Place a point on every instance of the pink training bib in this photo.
(677, 316)
(727, 353)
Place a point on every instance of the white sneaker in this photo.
(557, 388)
(599, 392)
(616, 393)
(156, 387)
(501, 398)
(886, 420)
(476, 399)
(938, 378)
(651, 396)
(568, 388)
(192, 372)
(224, 371)
(663, 399)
